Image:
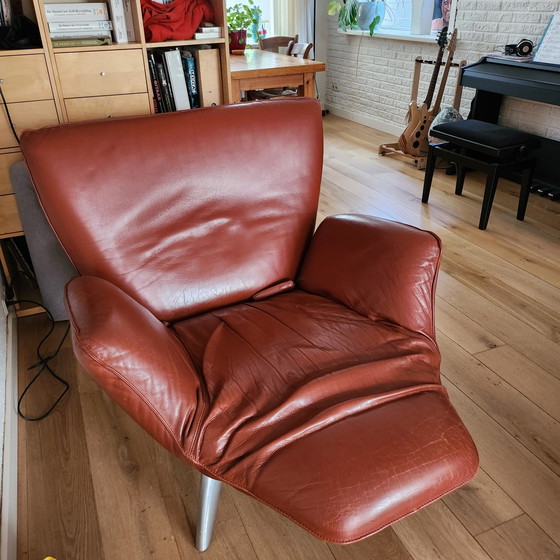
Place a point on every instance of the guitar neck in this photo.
(432, 87)
(450, 52)
(439, 97)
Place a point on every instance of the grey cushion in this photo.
(52, 266)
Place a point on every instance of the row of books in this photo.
(90, 23)
(174, 79)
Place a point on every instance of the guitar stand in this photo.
(393, 148)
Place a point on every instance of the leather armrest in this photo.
(135, 358)
(382, 269)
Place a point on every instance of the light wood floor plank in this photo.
(60, 512)
(435, 533)
(530, 299)
(276, 537)
(502, 323)
(138, 525)
(518, 415)
(519, 539)
(527, 377)
(481, 504)
(468, 334)
(532, 485)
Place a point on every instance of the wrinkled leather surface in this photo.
(321, 398)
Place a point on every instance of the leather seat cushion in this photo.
(296, 386)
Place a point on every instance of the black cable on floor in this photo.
(43, 364)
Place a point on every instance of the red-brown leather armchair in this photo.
(299, 367)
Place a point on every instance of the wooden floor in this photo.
(93, 486)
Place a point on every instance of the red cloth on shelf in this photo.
(177, 20)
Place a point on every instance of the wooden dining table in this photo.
(258, 69)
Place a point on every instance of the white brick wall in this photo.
(369, 80)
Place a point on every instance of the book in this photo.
(6, 13)
(116, 8)
(80, 34)
(156, 89)
(177, 79)
(204, 36)
(189, 68)
(89, 11)
(167, 97)
(90, 42)
(63, 26)
(129, 21)
(210, 29)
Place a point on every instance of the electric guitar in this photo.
(419, 142)
(415, 112)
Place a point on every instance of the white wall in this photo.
(369, 80)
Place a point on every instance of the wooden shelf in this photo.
(23, 287)
(186, 42)
(113, 47)
(22, 51)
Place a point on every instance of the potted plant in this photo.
(358, 15)
(240, 18)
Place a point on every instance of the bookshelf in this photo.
(47, 85)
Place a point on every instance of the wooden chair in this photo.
(274, 43)
(300, 50)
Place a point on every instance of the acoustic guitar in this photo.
(415, 112)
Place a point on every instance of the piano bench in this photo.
(487, 147)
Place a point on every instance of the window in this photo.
(266, 22)
(283, 17)
(398, 15)
(435, 14)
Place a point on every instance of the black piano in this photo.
(494, 78)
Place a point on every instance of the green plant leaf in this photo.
(334, 8)
(373, 25)
(242, 16)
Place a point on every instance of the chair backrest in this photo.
(273, 43)
(300, 50)
(184, 211)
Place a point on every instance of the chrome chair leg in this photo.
(207, 507)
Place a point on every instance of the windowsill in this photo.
(398, 35)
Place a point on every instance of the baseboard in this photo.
(8, 529)
(367, 121)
